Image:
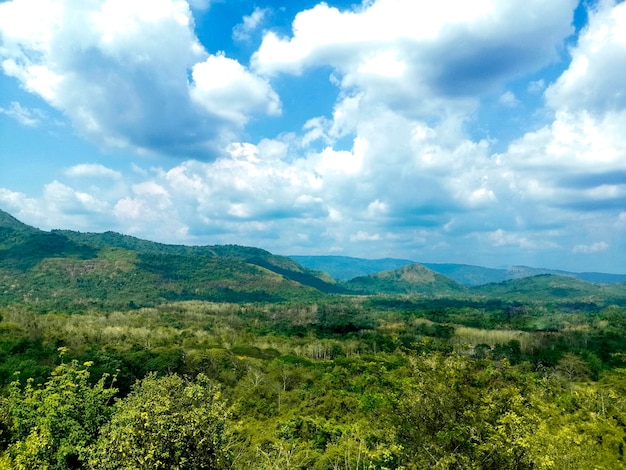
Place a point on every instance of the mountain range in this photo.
(73, 271)
(344, 268)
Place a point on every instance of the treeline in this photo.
(346, 384)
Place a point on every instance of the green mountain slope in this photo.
(256, 256)
(411, 279)
(72, 270)
(552, 287)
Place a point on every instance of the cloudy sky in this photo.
(488, 132)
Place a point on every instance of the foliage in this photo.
(53, 425)
(166, 423)
(411, 279)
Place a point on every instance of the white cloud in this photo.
(575, 161)
(589, 249)
(377, 208)
(508, 99)
(364, 236)
(342, 161)
(421, 57)
(119, 70)
(573, 142)
(250, 23)
(224, 88)
(594, 80)
(70, 201)
(524, 241)
(59, 206)
(537, 86)
(92, 170)
(25, 116)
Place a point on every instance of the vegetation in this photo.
(116, 353)
(411, 279)
(345, 268)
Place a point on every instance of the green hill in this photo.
(278, 264)
(72, 270)
(411, 279)
(552, 287)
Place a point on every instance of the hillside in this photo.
(411, 279)
(278, 264)
(71, 270)
(552, 287)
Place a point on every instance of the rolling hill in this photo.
(410, 279)
(73, 270)
(552, 287)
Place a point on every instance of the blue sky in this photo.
(484, 132)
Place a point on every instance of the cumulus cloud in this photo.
(59, 206)
(419, 55)
(225, 88)
(594, 80)
(120, 72)
(579, 160)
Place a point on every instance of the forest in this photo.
(116, 353)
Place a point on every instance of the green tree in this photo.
(52, 426)
(166, 423)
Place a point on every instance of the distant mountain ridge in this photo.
(344, 268)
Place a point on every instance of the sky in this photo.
(488, 132)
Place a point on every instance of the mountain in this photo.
(516, 272)
(410, 279)
(278, 264)
(8, 223)
(469, 275)
(73, 270)
(68, 270)
(345, 268)
(552, 287)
